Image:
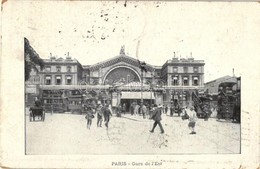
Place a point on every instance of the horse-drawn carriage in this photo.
(37, 111)
(228, 102)
(202, 105)
(175, 108)
(204, 109)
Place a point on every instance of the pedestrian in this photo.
(124, 108)
(163, 108)
(166, 109)
(143, 110)
(107, 115)
(132, 108)
(171, 110)
(99, 112)
(156, 116)
(192, 119)
(110, 107)
(136, 109)
(118, 111)
(151, 109)
(89, 116)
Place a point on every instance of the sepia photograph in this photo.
(151, 92)
(159, 83)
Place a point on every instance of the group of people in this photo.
(102, 112)
(187, 113)
(142, 109)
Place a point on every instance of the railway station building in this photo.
(118, 80)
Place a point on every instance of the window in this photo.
(46, 101)
(195, 81)
(47, 69)
(58, 80)
(175, 70)
(68, 68)
(185, 69)
(68, 80)
(58, 68)
(185, 81)
(195, 69)
(175, 81)
(47, 80)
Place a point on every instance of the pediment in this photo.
(121, 58)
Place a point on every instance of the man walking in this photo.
(171, 110)
(156, 116)
(136, 109)
(107, 115)
(166, 109)
(99, 115)
(143, 110)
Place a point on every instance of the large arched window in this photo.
(121, 75)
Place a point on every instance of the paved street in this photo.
(68, 134)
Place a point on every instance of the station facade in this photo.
(118, 80)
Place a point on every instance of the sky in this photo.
(218, 33)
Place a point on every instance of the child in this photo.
(89, 117)
(192, 119)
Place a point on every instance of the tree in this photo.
(31, 59)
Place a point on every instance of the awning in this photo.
(175, 78)
(48, 77)
(185, 78)
(195, 78)
(137, 95)
(58, 77)
(68, 77)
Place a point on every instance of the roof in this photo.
(226, 78)
(120, 58)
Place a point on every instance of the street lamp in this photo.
(143, 68)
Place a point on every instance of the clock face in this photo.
(121, 75)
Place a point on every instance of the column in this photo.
(190, 80)
(169, 80)
(53, 80)
(201, 80)
(180, 80)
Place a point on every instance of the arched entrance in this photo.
(121, 74)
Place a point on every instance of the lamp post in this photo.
(182, 84)
(142, 76)
(143, 68)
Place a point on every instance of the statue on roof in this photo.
(122, 50)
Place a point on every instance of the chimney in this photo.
(68, 56)
(52, 57)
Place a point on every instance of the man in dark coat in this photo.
(156, 116)
(171, 110)
(107, 115)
